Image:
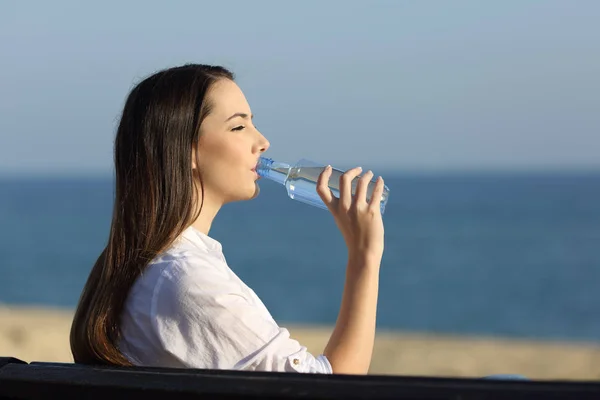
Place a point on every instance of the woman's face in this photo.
(229, 146)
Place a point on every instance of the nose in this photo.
(263, 143)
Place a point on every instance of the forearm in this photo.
(350, 347)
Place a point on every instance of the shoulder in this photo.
(176, 276)
(183, 269)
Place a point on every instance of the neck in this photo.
(207, 215)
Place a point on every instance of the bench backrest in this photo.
(41, 380)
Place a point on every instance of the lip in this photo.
(254, 169)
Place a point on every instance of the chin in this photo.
(250, 194)
(256, 191)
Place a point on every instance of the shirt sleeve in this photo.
(204, 319)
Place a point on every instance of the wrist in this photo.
(364, 260)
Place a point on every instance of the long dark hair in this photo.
(155, 198)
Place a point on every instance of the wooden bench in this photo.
(42, 380)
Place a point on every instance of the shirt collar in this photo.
(201, 239)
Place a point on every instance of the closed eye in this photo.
(238, 128)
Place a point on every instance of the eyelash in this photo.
(240, 128)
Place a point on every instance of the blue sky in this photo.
(403, 85)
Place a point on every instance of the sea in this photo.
(490, 254)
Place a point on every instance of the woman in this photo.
(161, 293)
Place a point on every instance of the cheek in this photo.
(224, 165)
(229, 157)
(228, 147)
(214, 154)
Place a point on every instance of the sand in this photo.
(38, 334)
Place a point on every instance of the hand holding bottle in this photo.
(359, 221)
(300, 181)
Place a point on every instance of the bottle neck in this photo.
(273, 170)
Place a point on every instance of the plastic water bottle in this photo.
(300, 180)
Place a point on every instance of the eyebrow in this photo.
(243, 115)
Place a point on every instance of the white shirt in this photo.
(188, 309)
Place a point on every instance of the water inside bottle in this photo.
(302, 181)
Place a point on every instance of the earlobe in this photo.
(194, 159)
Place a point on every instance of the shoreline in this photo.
(42, 334)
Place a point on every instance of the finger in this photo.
(360, 197)
(346, 186)
(323, 187)
(375, 203)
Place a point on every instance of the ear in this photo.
(194, 166)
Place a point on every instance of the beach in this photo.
(42, 334)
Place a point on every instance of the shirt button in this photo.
(296, 361)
